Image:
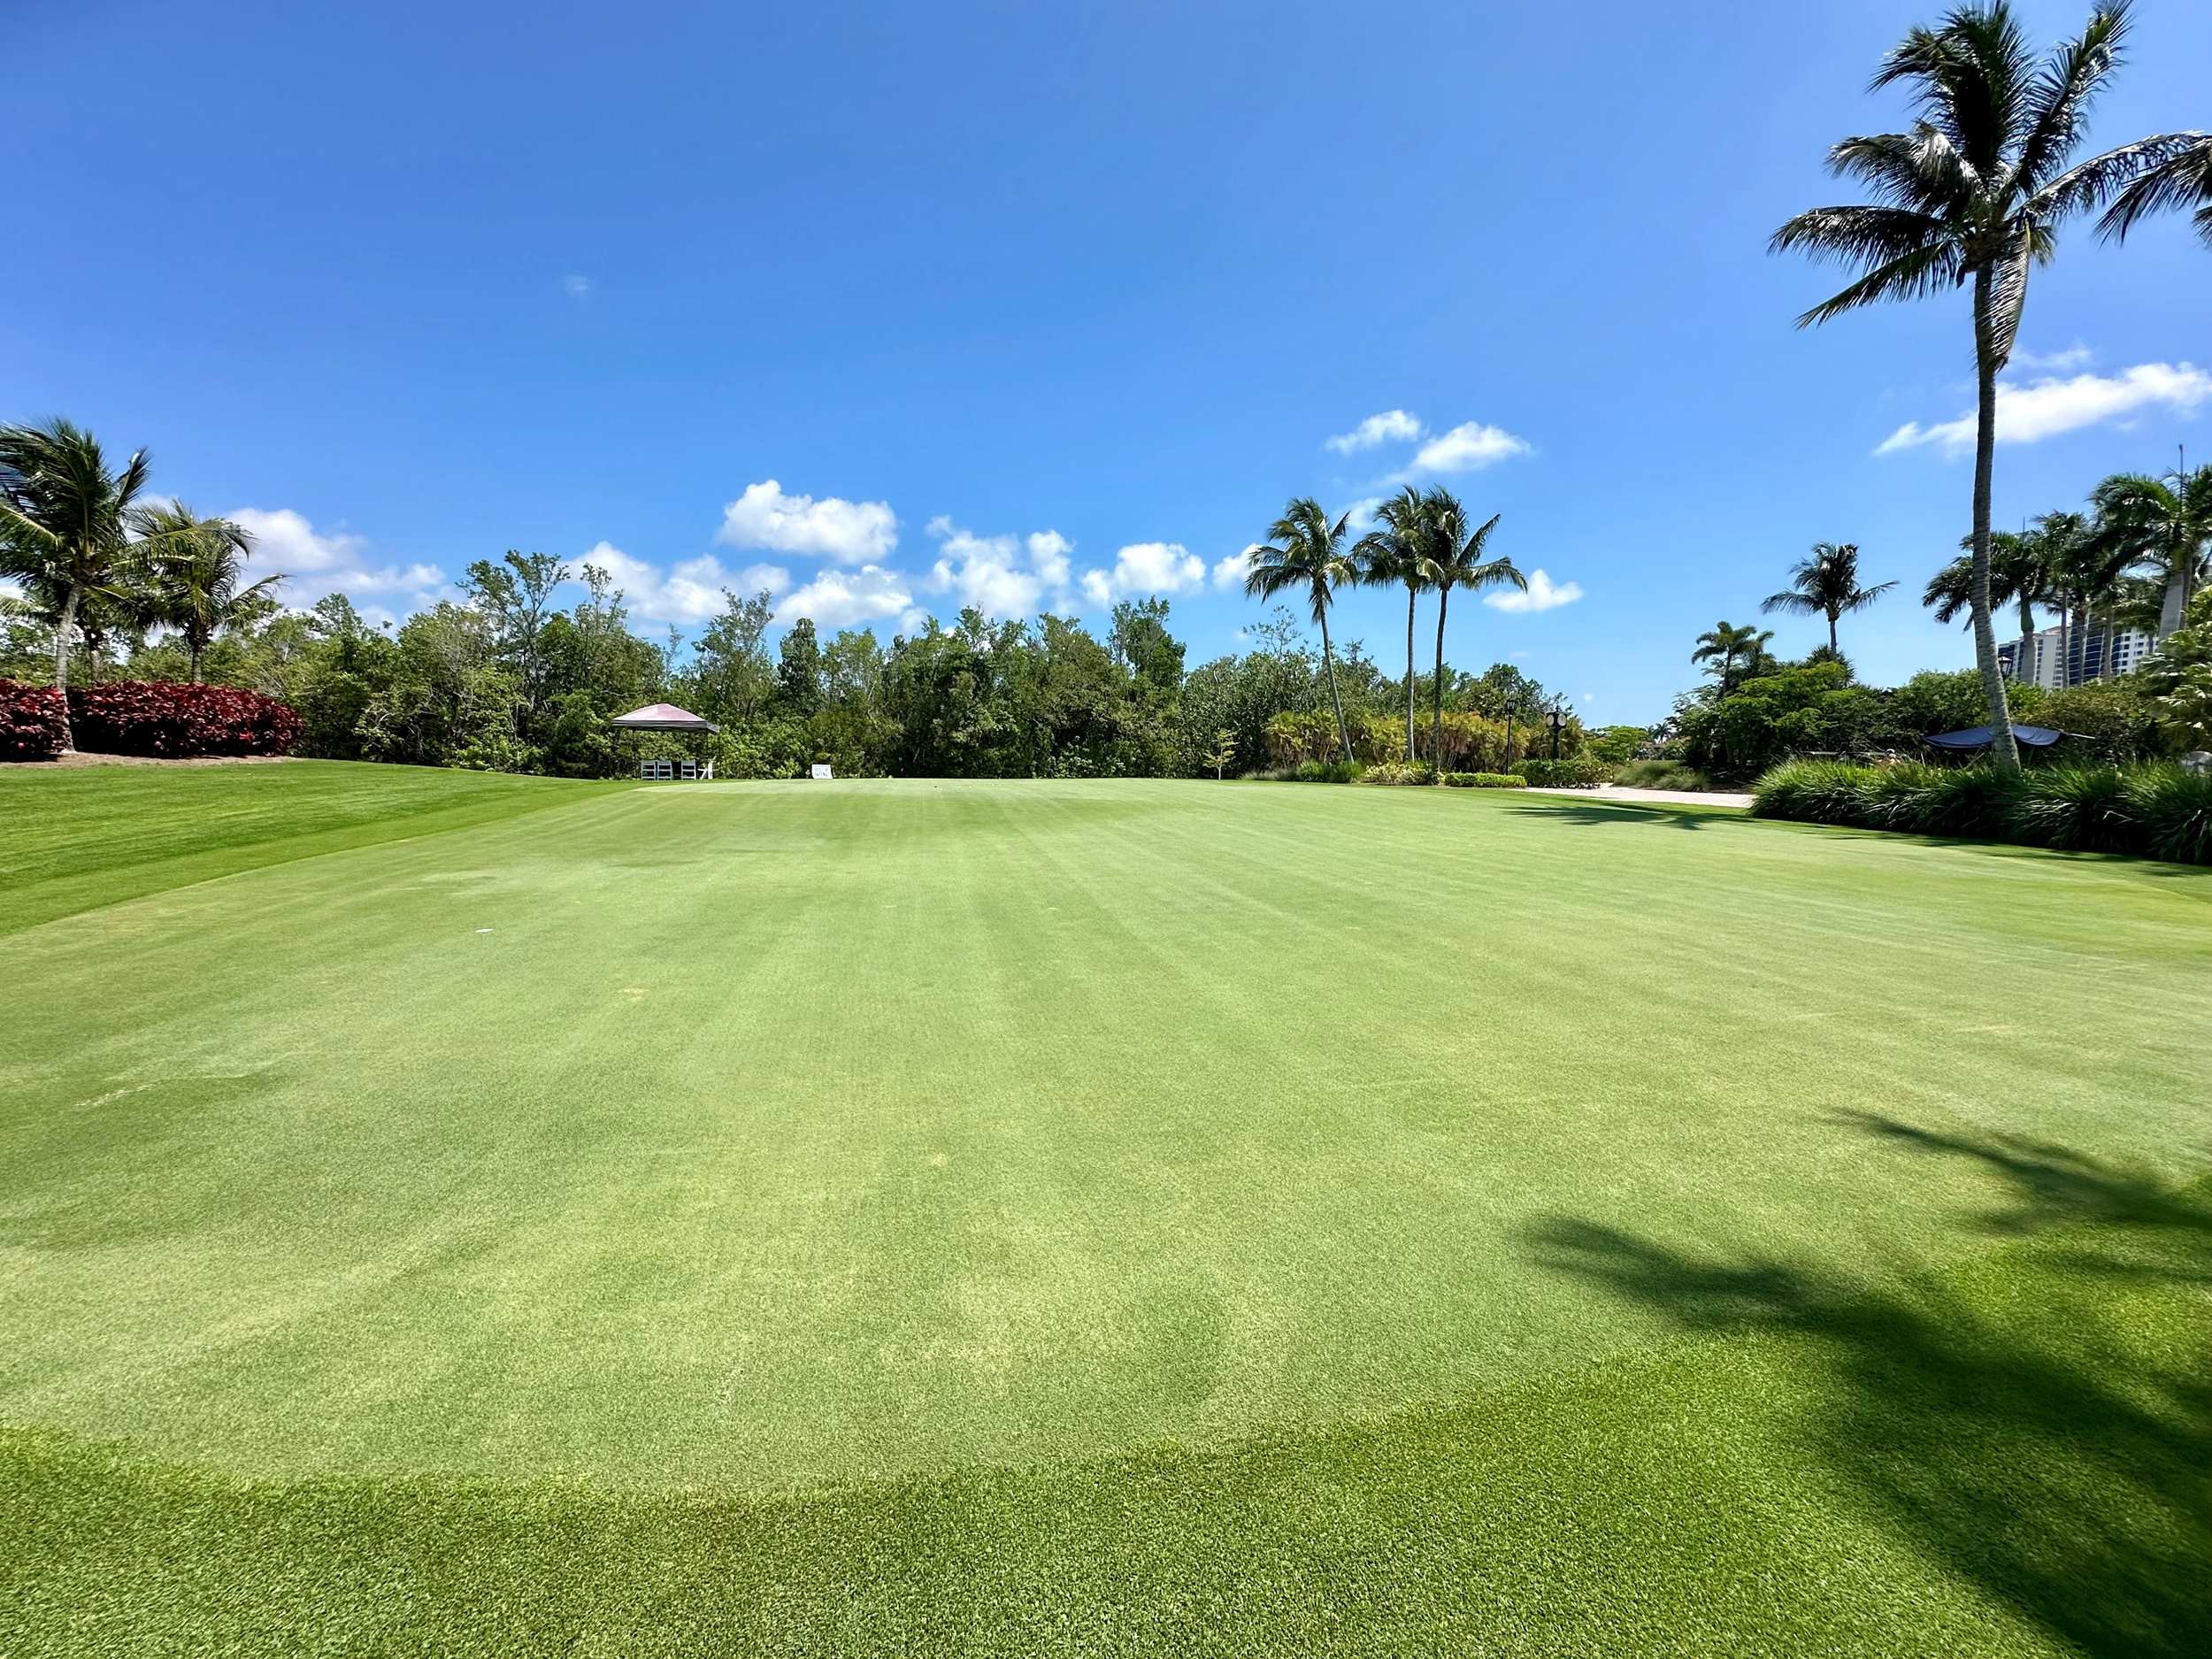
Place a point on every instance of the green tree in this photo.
(799, 669)
(1310, 559)
(1403, 551)
(1724, 646)
(1827, 584)
(1973, 197)
(1460, 563)
(2020, 574)
(2162, 523)
(194, 580)
(515, 595)
(1140, 640)
(65, 524)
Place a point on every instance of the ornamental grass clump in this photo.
(2078, 808)
(2172, 809)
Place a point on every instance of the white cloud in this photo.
(1359, 518)
(1230, 572)
(689, 592)
(1001, 575)
(316, 563)
(1467, 448)
(837, 599)
(1049, 552)
(1146, 567)
(2074, 356)
(1543, 594)
(848, 532)
(284, 541)
(1393, 426)
(2046, 407)
(577, 288)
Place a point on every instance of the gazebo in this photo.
(666, 717)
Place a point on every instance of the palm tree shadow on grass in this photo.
(2040, 1426)
(1648, 812)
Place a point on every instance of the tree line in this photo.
(515, 674)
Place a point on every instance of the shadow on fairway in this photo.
(1687, 818)
(2038, 1422)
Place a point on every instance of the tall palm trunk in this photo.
(2001, 747)
(62, 631)
(2173, 604)
(1833, 649)
(1328, 662)
(2024, 659)
(1436, 685)
(1412, 593)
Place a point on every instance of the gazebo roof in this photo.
(662, 717)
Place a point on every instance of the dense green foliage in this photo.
(1567, 773)
(2156, 810)
(620, 1226)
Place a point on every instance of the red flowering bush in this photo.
(155, 717)
(30, 721)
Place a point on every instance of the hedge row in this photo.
(1484, 780)
(30, 721)
(2154, 810)
(1583, 772)
(145, 716)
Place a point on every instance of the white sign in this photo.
(821, 771)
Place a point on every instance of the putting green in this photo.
(758, 1139)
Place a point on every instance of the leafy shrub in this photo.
(2159, 811)
(1972, 801)
(159, 717)
(1399, 772)
(1484, 780)
(2172, 809)
(1817, 791)
(30, 721)
(1582, 772)
(1325, 772)
(2080, 808)
(1661, 774)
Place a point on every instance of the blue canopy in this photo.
(1979, 737)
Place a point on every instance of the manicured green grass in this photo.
(1104, 1217)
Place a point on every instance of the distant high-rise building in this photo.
(2092, 653)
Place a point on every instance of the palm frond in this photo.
(1858, 236)
(1911, 276)
(2181, 180)
(2059, 102)
(1913, 171)
(2088, 184)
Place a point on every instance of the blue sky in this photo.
(893, 305)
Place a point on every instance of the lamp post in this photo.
(1558, 713)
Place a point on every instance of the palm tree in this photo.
(1827, 584)
(1306, 551)
(1459, 564)
(1973, 197)
(2019, 575)
(195, 583)
(63, 522)
(1723, 644)
(2182, 179)
(2164, 523)
(1402, 549)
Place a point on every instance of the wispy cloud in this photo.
(1543, 594)
(849, 532)
(315, 562)
(2074, 356)
(1229, 572)
(577, 288)
(1393, 426)
(2046, 407)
